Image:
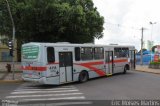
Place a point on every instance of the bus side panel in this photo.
(77, 69)
(94, 69)
(97, 71)
(52, 74)
(119, 64)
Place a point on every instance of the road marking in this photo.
(34, 87)
(31, 92)
(45, 99)
(66, 103)
(18, 90)
(40, 94)
(71, 103)
(46, 95)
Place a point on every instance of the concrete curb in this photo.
(148, 71)
(11, 72)
(11, 81)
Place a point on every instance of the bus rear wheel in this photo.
(83, 76)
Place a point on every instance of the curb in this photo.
(148, 72)
(11, 72)
(11, 81)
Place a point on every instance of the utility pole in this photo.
(151, 42)
(142, 29)
(13, 36)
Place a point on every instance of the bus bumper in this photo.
(43, 80)
(38, 80)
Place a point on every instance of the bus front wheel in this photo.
(83, 76)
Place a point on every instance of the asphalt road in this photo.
(131, 86)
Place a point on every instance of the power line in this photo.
(122, 26)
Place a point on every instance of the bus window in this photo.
(121, 52)
(98, 53)
(86, 53)
(77, 53)
(117, 52)
(125, 52)
(30, 52)
(50, 54)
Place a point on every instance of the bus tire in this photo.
(125, 70)
(83, 76)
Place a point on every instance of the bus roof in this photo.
(64, 44)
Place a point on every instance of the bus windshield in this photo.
(30, 52)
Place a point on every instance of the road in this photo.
(131, 86)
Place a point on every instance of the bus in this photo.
(59, 63)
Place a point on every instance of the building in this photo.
(148, 44)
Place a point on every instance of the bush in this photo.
(154, 63)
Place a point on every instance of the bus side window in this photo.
(98, 53)
(86, 53)
(125, 52)
(77, 53)
(117, 52)
(50, 54)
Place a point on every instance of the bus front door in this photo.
(65, 67)
(109, 62)
(132, 59)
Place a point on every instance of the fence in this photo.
(17, 66)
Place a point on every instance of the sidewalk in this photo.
(6, 76)
(144, 68)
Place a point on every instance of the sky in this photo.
(124, 20)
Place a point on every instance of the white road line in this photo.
(46, 95)
(31, 92)
(35, 87)
(70, 103)
(17, 90)
(63, 104)
(64, 98)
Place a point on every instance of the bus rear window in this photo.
(50, 54)
(30, 52)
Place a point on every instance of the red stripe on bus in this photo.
(31, 68)
(93, 63)
(119, 61)
(98, 71)
(89, 65)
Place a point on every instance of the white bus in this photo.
(59, 63)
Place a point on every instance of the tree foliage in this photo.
(75, 21)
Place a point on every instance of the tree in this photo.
(153, 48)
(75, 21)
